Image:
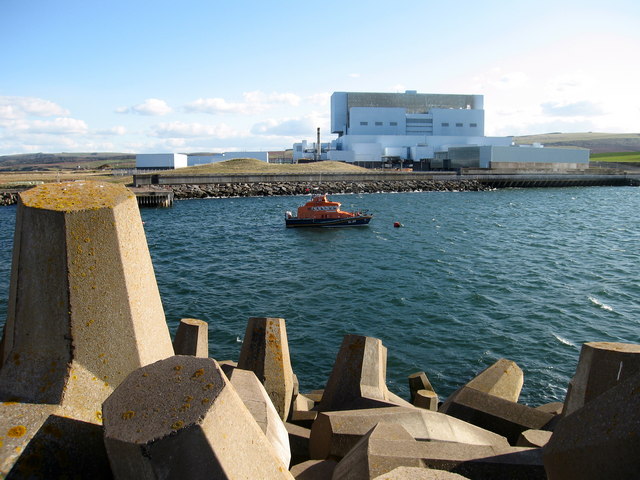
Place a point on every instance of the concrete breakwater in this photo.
(264, 189)
(92, 385)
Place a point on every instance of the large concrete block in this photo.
(474, 461)
(265, 351)
(601, 440)
(533, 438)
(364, 461)
(84, 308)
(417, 473)
(333, 434)
(358, 378)
(494, 413)
(601, 366)
(192, 338)
(35, 442)
(181, 418)
(387, 447)
(503, 379)
(314, 470)
(298, 442)
(257, 401)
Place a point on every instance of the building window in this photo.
(473, 125)
(393, 124)
(364, 123)
(445, 124)
(378, 124)
(458, 125)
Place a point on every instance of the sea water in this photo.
(470, 277)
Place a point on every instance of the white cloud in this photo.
(57, 126)
(182, 130)
(354, 75)
(12, 108)
(292, 127)
(118, 130)
(254, 102)
(151, 107)
(322, 99)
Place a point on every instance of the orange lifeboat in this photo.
(321, 212)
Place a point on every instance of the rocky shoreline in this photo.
(264, 189)
(261, 189)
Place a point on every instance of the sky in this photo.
(210, 76)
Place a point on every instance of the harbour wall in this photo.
(495, 180)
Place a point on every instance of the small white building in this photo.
(160, 161)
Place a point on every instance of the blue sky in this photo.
(204, 75)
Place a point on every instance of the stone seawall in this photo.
(262, 189)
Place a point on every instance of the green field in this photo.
(620, 157)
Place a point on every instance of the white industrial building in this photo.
(161, 161)
(426, 131)
(166, 161)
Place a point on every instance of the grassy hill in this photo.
(251, 165)
(595, 142)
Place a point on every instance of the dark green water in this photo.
(525, 274)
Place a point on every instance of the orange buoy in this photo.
(397, 224)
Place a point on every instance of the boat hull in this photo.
(359, 221)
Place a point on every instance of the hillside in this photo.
(251, 165)
(595, 142)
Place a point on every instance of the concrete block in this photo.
(314, 470)
(494, 413)
(474, 461)
(601, 440)
(426, 399)
(181, 418)
(554, 408)
(299, 442)
(385, 448)
(257, 401)
(333, 434)
(358, 378)
(533, 438)
(265, 351)
(315, 395)
(601, 366)
(84, 308)
(35, 442)
(364, 461)
(418, 381)
(417, 473)
(192, 338)
(503, 379)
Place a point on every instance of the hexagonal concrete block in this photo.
(192, 338)
(256, 399)
(333, 434)
(600, 440)
(503, 379)
(601, 366)
(265, 351)
(84, 308)
(181, 418)
(358, 378)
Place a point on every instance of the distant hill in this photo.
(595, 142)
(55, 161)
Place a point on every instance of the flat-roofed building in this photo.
(391, 129)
